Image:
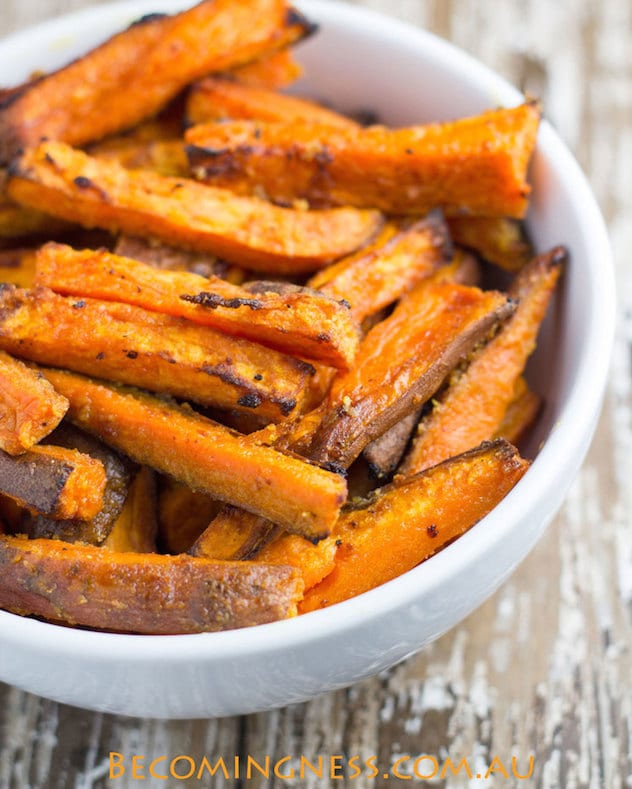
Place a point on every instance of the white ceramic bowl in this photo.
(359, 60)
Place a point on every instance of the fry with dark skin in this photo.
(215, 99)
(405, 523)
(475, 165)
(119, 473)
(141, 592)
(205, 455)
(475, 403)
(249, 231)
(130, 345)
(136, 72)
(30, 408)
(401, 363)
(53, 481)
(299, 322)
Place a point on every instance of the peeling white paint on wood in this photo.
(545, 666)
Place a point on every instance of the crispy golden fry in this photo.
(270, 72)
(405, 523)
(250, 231)
(56, 482)
(205, 455)
(136, 72)
(30, 408)
(141, 592)
(163, 354)
(521, 413)
(475, 403)
(298, 322)
(215, 99)
(403, 255)
(475, 165)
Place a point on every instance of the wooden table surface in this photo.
(545, 666)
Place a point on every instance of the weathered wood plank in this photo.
(545, 666)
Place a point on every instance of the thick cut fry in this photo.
(56, 482)
(374, 278)
(135, 73)
(271, 72)
(298, 322)
(521, 413)
(162, 256)
(401, 363)
(17, 266)
(183, 514)
(215, 99)
(405, 523)
(135, 528)
(475, 165)
(30, 408)
(140, 592)
(249, 231)
(499, 240)
(130, 345)
(474, 405)
(205, 455)
(118, 473)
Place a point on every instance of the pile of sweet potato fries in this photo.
(229, 314)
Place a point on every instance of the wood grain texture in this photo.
(545, 666)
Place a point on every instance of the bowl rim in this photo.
(564, 442)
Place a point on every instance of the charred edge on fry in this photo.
(214, 300)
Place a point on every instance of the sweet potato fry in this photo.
(401, 363)
(135, 73)
(163, 256)
(30, 408)
(407, 522)
(384, 453)
(314, 562)
(270, 72)
(233, 534)
(497, 239)
(165, 157)
(17, 266)
(475, 165)
(205, 455)
(135, 528)
(402, 256)
(157, 352)
(215, 99)
(56, 482)
(521, 413)
(298, 322)
(19, 222)
(250, 231)
(476, 401)
(119, 472)
(141, 592)
(183, 514)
